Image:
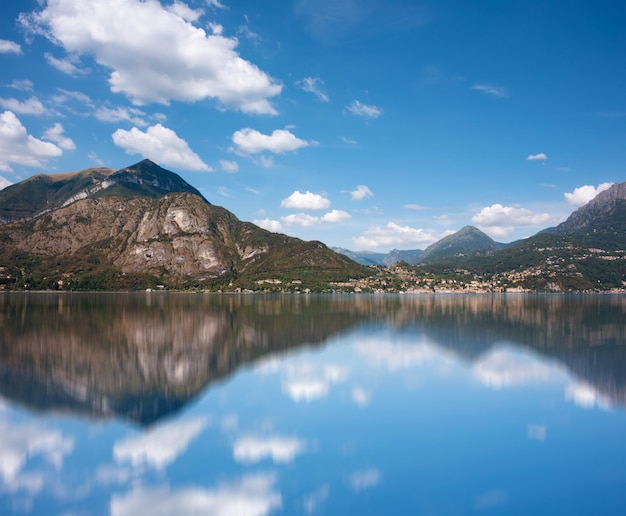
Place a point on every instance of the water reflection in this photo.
(144, 356)
(168, 403)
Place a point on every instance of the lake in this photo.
(176, 403)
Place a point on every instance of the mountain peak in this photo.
(468, 241)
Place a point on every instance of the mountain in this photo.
(143, 226)
(394, 256)
(43, 193)
(601, 222)
(468, 241)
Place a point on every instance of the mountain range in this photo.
(145, 227)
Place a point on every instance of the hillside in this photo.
(141, 227)
(468, 241)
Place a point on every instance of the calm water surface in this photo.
(157, 403)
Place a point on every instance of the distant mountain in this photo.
(394, 256)
(468, 241)
(144, 226)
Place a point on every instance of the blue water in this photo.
(197, 404)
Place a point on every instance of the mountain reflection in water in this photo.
(143, 356)
(187, 403)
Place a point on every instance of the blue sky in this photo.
(366, 124)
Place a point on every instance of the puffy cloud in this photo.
(503, 368)
(55, 134)
(501, 221)
(271, 225)
(583, 194)
(368, 111)
(184, 11)
(361, 192)
(161, 446)
(21, 442)
(32, 106)
(537, 157)
(315, 85)
(17, 146)
(4, 182)
(300, 219)
(585, 396)
(314, 501)
(305, 201)
(494, 91)
(394, 235)
(335, 216)
(307, 381)
(229, 166)
(251, 141)
(160, 144)
(252, 449)
(252, 495)
(121, 114)
(365, 479)
(163, 58)
(9, 47)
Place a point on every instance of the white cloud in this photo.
(537, 157)
(67, 66)
(361, 397)
(55, 134)
(23, 85)
(347, 140)
(163, 58)
(336, 216)
(395, 356)
(161, 446)
(17, 146)
(121, 114)
(365, 479)
(305, 201)
(300, 219)
(394, 235)
(21, 442)
(361, 192)
(9, 47)
(251, 141)
(494, 91)
(229, 166)
(501, 221)
(184, 11)
(4, 183)
(308, 381)
(32, 106)
(416, 207)
(280, 449)
(368, 111)
(271, 225)
(252, 495)
(161, 145)
(583, 194)
(502, 368)
(315, 85)
(585, 396)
